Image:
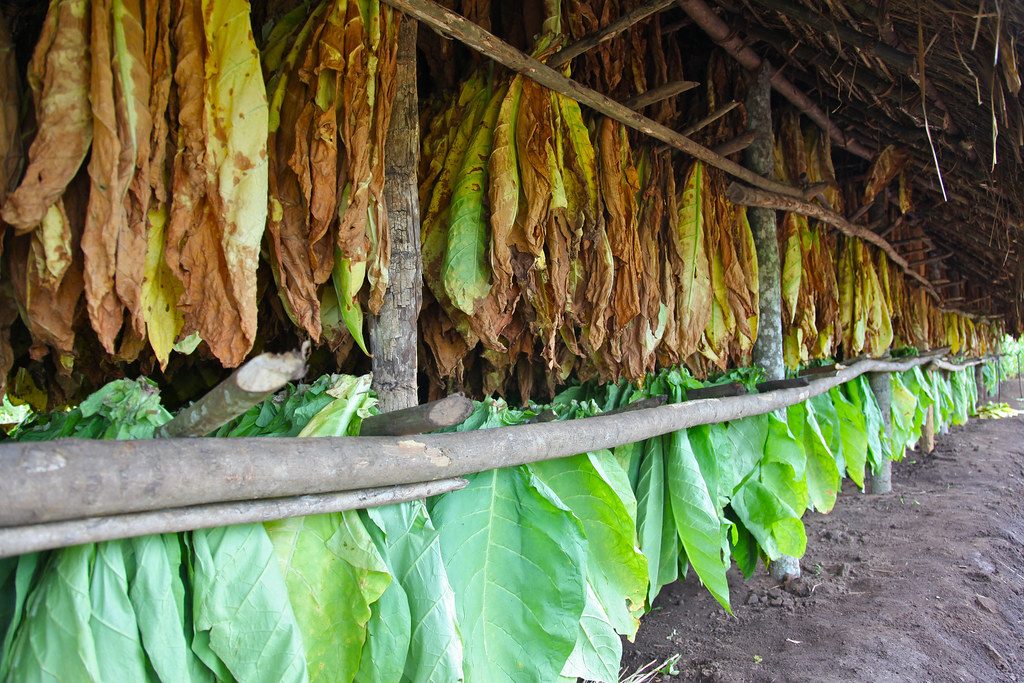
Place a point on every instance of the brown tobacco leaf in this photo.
(50, 312)
(886, 166)
(59, 76)
(10, 142)
(535, 143)
(356, 127)
(135, 128)
(619, 187)
(105, 215)
(220, 174)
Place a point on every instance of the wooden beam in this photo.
(394, 333)
(33, 538)
(74, 479)
(623, 23)
(455, 26)
(901, 60)
(710, 118)
(429, 417)
(737, 144)
(662, 92)
(747, 196)
(728, 40)
(247, 386)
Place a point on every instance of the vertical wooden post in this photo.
(928, 435)
(881, 386)
(979, 381)
(393, 333)
(767, 352)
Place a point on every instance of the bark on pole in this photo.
(767, 352)
(928, 436)
(758, 158)
(393, 333)
(881, 386)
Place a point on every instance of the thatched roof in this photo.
(860, 61)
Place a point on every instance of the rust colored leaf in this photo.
(885, 167)
(60, 79)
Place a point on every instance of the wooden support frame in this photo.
(75, 479)
(489, 45)
(662, 92)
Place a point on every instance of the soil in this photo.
(925, 584)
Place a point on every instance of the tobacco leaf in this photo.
(219, 209)
(466, 271)
(504, 194)
(106, 214)
(693, 298)
(619, 187)
(135, 128)
(10, 95)
(59, 75)
(886, 166)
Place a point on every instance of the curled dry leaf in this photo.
(59, 76)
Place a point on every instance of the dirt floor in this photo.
(926, 584)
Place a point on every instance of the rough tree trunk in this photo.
(767, 351)
(881, 386)
(393, 333)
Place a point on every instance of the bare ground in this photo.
(926, 584)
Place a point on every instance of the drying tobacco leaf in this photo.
(10, 95)
(693, 298)
(886, 166)
(59, 76)
(219, 209)
(105, 215)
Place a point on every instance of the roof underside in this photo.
(861, 62)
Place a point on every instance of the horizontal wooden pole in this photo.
(428, 417)
(748, 196)
(623, 23)
(36, 537)
(74, 479)
(737, 144)
(662, 92)
(489, 45)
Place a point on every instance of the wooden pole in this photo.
(446, 412)
(247, 386)
(748, 196)
(489, 45)
(662, 92)
(767, 352)
(928, 433)
(393, 333)
(36, 537)
(623, 23)
(73, 479)
(728, 40)
(881, 386)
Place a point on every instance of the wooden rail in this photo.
(74, 479)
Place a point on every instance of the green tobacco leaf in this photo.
(515, 560)
(822, 473)
(697, 518)
(412, 548)
(650, 515)
(598, 650)
(466, 270)
(594, 487)
(55, 641)
(747, 439)
(241, 609)
(158, 597)
(853, 434)
(743, 547)
(333, 574)
(115, 630)
(775, 525)
(863, 398)
(828, 422)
